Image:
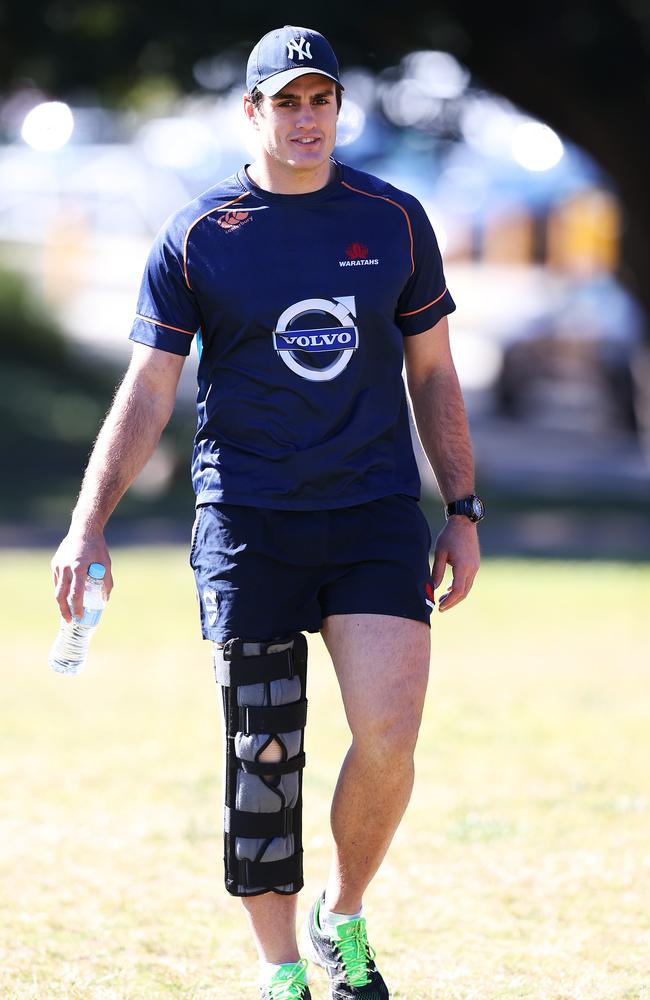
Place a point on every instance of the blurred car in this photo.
(574, 365)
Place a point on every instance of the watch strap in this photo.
(467, 506)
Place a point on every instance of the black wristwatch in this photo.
(471, 506)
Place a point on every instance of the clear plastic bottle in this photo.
(70, 648)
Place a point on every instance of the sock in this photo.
(269, 969)
(330, 919)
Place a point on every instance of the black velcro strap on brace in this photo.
(273, 718)
(271, 873)
(258, 825)
(253, 669)
(266, 767)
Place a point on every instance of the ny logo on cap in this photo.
(299, 49)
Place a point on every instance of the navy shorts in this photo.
(264, 573)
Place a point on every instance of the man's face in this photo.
(297, 127)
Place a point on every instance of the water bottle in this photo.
(70, 648)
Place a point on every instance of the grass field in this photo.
(522, 869)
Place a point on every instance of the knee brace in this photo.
(263, 687)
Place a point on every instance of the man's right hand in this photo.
(142, 406)
(70, 567)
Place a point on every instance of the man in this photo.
(309, 284)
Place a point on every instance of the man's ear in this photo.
(249, 111)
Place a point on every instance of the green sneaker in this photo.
(347, 958)
(288, 983)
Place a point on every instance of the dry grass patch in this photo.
(522, 869)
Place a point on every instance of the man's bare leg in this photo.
(272, 919)
(382, 665)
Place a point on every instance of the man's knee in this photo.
(390, 726)
(389, 735)
(263, 689)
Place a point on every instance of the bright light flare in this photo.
(536, 147)
(48, 126)
(488, 124)
(351, 122)
(439, 73)
(179, 143)
(406, 102)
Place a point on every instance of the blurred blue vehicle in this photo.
(574, 366)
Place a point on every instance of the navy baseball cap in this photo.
(285, 53)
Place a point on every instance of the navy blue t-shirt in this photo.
(301, 303)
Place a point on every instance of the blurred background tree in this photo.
(52, 401)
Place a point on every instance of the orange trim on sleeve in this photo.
(422, 308)
(156, 322)
(196, 221)
(383, 197)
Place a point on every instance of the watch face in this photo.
(478, 508)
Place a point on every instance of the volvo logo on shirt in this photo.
(315, 352)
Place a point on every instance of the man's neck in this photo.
(290, 181)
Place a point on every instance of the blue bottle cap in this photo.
(97, 571)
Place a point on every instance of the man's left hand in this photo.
(456, 545)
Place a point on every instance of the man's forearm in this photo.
(441, 421)
(125, 443)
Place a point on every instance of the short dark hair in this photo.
(257, 97)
